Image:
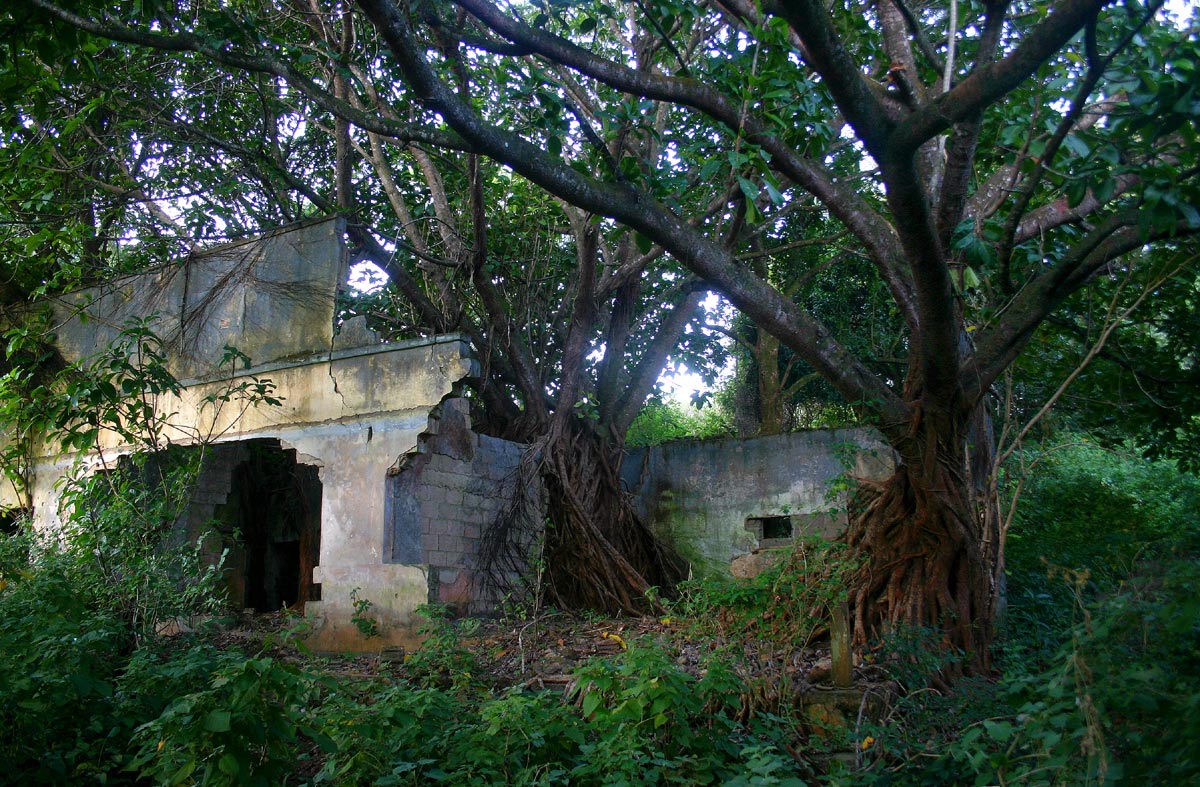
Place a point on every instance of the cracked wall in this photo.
(350, 408)
(269, 297)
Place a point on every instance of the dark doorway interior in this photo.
(274, 504)
(11, 519)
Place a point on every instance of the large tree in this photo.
(988, 159)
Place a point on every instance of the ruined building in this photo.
(366, 480)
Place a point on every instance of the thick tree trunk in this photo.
(925, 559)
(772, 413)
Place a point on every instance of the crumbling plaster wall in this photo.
(351, 411)
(353, 416)
(408, 489)
(443, 497)
(700, 495)
(354, 453)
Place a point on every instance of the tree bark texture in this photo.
(926, 557)
(596, 553)
(602, 556)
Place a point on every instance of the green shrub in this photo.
(1091, 510)
(386, 735)
(245, 727)
(664, 421)
(80, 607)
(788, 604)
(442, 661)
(74, 606)
(1100, 685)
(119, 539)
(636, 719)
(60, 659)
(71, 689)
(1085, 507)
(1119, 704)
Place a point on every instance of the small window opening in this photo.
(777, 527)
(770, 528)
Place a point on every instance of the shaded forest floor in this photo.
(543, 652)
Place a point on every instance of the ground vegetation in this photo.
(1095, 684)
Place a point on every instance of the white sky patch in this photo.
(679, 382)
(367, 277)
(1180, 11)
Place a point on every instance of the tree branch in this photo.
(938, 353)
(985, 86)
(223, 54)
(876, 235)
(654, 358)
(998, 345)
(1113, 319)
(826, 53)
(919, 37)
(964, 139)
(807, 337)
(1072, 117)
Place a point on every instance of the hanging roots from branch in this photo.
(511, 557)
(596, 552)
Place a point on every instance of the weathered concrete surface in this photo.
(351, 407)
(407, 489)
(701, 494)
(13, 495)
(353, 417)
(269, 297)
(750, 564)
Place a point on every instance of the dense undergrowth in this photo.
(1099, 684)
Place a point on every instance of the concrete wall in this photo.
(270, 297)
(407, 489)
(353, 416)
(700, 495)
(353, 412)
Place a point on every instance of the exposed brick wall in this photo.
(706, 496)
(443, 498)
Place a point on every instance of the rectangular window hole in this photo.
(770, 528)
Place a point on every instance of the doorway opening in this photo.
(274, 505)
